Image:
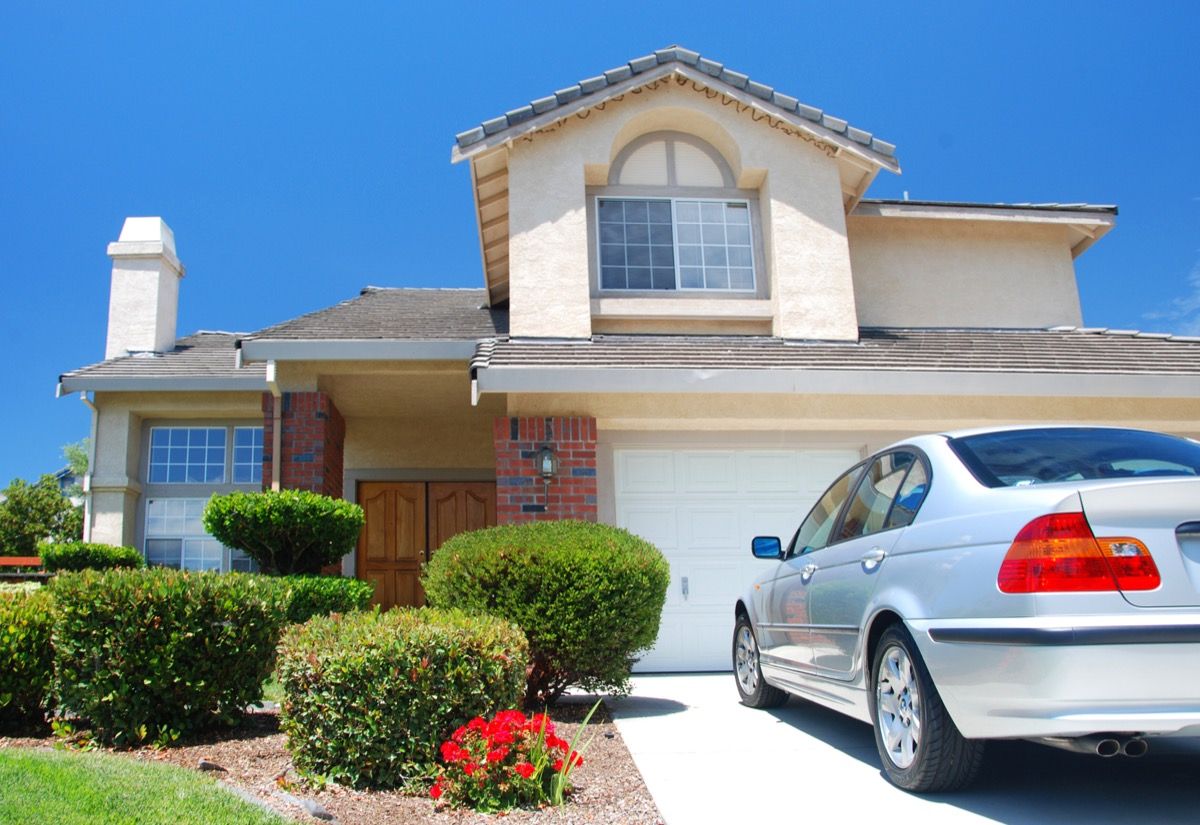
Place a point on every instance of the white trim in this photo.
(985, 212)
(357, 349)
(160, 383)
(835, 382)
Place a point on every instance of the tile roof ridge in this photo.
(693, 60)
(370, 288)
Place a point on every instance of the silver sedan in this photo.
(1036, 583)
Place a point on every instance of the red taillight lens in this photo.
(1058, 553)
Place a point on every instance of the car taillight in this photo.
(1058, 553)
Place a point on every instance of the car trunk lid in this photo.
(1164, 515)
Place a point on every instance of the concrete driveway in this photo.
(708, 759)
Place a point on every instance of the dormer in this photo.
(670, 195)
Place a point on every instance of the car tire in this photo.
(747, 674)
(919, 745)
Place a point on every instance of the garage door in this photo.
(701, 508)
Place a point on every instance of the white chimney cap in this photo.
(139, 230)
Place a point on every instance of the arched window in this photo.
(671, 218)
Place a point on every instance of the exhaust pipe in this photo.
(1105, 746)
(1135, 748)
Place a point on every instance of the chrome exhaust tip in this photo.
(1107, 748)
(1135, 748)
(1104, 746)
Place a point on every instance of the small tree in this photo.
(32, 513)
(285, 531)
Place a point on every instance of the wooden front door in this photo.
(405, 522)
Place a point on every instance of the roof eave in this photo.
(159, 383)
(360, 349)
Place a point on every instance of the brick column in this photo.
(313, 436)
(520, 493)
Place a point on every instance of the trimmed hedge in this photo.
(369, 697)
(285, 531)
(588, 596)
(148, 655)
(310, 596)
(79, 555)
(26, 656)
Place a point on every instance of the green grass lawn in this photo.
(272, 690)
(66, 788)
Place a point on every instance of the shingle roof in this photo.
(947, 350)
(379, 313)
(686, 57)
(204, 355)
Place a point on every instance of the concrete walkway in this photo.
(708, 759)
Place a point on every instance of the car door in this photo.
(785, 633)
(842, 576)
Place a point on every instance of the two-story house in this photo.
(691, 320)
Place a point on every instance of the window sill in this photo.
(691, 307)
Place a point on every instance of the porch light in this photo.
(547, 463)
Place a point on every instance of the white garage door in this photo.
(701, 508)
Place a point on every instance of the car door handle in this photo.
(684, 585)
(807, 571)
(873, 558)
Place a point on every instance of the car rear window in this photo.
(1016, 458)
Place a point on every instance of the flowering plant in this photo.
(506, 761)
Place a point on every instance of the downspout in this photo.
(87, 476)
(276, 424)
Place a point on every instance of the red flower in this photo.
(470, 768)
(576, 760)
(524, 769)
(459, 734)
(436, 791)
(451, 752)
(558, 765)
(497, 755)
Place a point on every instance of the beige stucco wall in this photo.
(116, 482)
(803, 222)
(699, 412)
(950, 273)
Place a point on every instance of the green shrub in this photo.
(26, 655)
(154, 654)
(78, 555)
(588, 596)
(310, 596)
(285, 531)
(369, 696)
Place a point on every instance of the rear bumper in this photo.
(1019, 678)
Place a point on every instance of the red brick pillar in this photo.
(520, 493)
(313, 435)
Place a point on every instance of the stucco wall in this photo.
(803, 222)
(950, 273)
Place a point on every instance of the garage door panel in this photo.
(708, 471)
(701, 508)
(645, 471)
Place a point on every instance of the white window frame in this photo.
(184, 537)
(674, 198)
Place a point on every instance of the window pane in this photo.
(196, 455)
(873, 499)
(663, 256)
(611, 211)
(637, 233)
(664, 278)
(612, 278)
(661, 234)
(691, 278)
(635, 212)
(247, 460)
(659, 212)
(741, 278)
(175, 535)
(814, 530)
(639, 277)
(739, 256)
(164, 552)
(738, 234)
(688, 233)
(716, 277)
(612, 233)
(912, 493)
(712, 212)
(687, 211)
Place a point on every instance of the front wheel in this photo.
(753, 689)
(919, 745)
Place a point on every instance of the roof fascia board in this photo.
(984, 212)
(323, 349)
(835, 382)
(839, 142)
(159, 383)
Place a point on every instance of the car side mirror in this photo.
(766, 547)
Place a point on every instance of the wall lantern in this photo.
(547, 465)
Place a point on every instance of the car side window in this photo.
(912, 493)
(871, 503)
(818, 524)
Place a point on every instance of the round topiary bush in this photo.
(79, 555)
(588, 596)
(26, 656)
(309, 596)
(369, 697)
(285, 531)
(148, 655)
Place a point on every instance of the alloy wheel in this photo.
(898, 707)
(746, 660)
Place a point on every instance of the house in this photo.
(692, 319)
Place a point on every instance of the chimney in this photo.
(143, 303)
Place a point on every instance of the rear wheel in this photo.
(919, 745)
(753, 689)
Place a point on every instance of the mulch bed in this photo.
(608, 788)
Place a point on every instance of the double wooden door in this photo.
(406, 522)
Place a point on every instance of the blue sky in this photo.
(301, 151)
